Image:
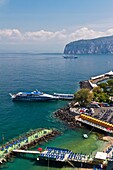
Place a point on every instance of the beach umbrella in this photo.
(25, 138)
(108, 128)
(40, 149)
(2, 149)
(26, 141)
(36, 136)
(14, 142)
(82, 111)
(7, 147)
(10, 145)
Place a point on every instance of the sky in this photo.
(48, 25)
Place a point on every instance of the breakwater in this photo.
(66, 116)
(26, 141)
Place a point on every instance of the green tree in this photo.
(110, 83)
(97, 89)
(103, 86)
(100, 95)
(110, 87)
(96, 92)
(84, 97)
(103, 97)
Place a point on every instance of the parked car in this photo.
(105, 105)
(94, 105)
(111, 104)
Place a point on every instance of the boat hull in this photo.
(31, 99)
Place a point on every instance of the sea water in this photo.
(48, 73)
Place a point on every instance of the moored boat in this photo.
(33, 96)
(70, 56)
(85, 136)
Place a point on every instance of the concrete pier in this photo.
(30, 139)
(92, 82)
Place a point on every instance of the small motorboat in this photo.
(70, 56)
(85, 136)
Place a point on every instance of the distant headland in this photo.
(102, 45)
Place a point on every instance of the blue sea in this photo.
(48, 73)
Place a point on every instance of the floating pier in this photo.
(30, 139)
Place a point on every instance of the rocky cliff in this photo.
(103, 45)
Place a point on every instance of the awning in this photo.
(101, 155)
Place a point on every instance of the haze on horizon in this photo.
(48, 25)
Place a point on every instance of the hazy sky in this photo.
(48, 25)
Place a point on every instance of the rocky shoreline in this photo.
(65, 115)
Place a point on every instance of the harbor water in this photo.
(48, 73)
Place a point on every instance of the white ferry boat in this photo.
(33, 96)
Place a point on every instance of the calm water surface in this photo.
(47, 73)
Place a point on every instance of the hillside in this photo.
(103, 45)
